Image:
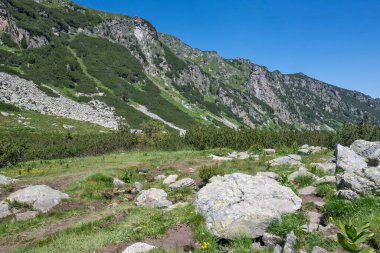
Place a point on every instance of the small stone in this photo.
(325, 180)
(220, 158)
(271, 240)
(328, 167)
(269, 151)
(4, 114)
(256, 246)
(290, 160)
(277, 249)
(314, 217)
(118, 182)
(302, 171)
(139, 247)
(69, 127)
(170, 179)
(4, 210)
(185, 182)
(153, 198)
(138, 186)
(308, 190)
(347, 194)
(289, 243)
(26, 215)
(160, 177)
(6, 180)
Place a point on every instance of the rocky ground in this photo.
(191, 201)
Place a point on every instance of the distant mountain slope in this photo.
(88, 55)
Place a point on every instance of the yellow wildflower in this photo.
(205, 245)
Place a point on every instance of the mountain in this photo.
(62, 59)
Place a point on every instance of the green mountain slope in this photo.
(135, 73)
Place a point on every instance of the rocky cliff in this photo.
(82, 53)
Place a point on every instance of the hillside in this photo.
(110, 69)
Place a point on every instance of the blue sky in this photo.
(336, 41)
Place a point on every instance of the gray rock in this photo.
(271, 240)
(269, 151)
(220, 158)
(41, 197)
(4, 210)
(304, 151)
(325, 180)
(348, 160)
(170, 179)
(118, 182)
(139, 247)
(153, 198)
(256, 246)
(289, 243)
(314, 217)
(269, 174)
(26, 215)
(327, 167)
(160, 177)
(302, 171)
(367, 149)
(69, 127)
(347, 194)
(308, 190)
(291, 160)
(6, 180)
(317, 249)
(138, 186)
(4, 114)
(240, 204)
(277, 249)
(185, 182)
(365, 181)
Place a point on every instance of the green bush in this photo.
(207, 172)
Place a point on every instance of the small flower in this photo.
(205, 245)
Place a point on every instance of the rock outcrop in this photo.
(348, 160)
(240, 204)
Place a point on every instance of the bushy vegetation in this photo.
(207, 172)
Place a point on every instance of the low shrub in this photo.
(207, 172)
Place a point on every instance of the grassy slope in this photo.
(78, 229)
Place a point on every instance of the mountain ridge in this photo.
(182, 85)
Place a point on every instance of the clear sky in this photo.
(336, 41)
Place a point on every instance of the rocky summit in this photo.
(62, 59)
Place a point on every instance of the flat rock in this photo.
(291, 160)
(349, 160)
(314, 217)
(220, 158)
(139, 247)
(4, 210)
(269, 151)
(308, 190)
(153, 198)
(41, 197)
(26, 215)
(6, 180)
(170, 179)
(160, 177)
(239, 204)
(325, 180)
(185, 182)
(347, 194)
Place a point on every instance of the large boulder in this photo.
(153, 198)
(240, 204)
(349, 160)
(363, 182)
(40, 197)
(367, 149)
(292, 160)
